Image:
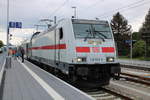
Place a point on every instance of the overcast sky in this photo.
(29, 12)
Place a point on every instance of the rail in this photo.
(136, 78)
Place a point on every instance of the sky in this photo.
(30, 12)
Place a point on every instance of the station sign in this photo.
(128, 41)
(15, 24)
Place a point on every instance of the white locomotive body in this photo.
(78, 48)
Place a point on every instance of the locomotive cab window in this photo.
(92, 30)
(60, 33)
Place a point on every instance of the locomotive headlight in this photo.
(81, 59)
(110, 59)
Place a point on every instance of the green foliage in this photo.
(145, 32)
(1, 43)
(145, 29)
(148, 51)
(120, 25)
(139, 49)
(136, 36)
(146, 25)
(122, 32)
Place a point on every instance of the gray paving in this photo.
(20, 85)
(68, 92)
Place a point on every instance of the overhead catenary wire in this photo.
(146, 2)
(58, 8)
(140, 5)
(83, 10)
(91, 5)
(130, 6)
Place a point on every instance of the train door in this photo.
(30, 50)
(27, 52)
(60, 37)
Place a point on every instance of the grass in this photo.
(137, 58)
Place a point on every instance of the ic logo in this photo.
(96, 49)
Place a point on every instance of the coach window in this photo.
(60, 33)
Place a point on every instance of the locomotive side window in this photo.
(60, 33)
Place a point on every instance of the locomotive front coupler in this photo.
(115, 71)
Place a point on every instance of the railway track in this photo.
(135, 67)
(104, 94)
(108, 93)
(135, 78)
(136, 75)
(130, 89)
(132, 81)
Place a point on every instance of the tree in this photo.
(136, 36)
(1, 43)
(120, 25)
(121, 31)
(145, 31)
(139, 49)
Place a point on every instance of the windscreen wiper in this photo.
(102, 35)
(89, 32)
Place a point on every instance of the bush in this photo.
(139, 49)
(148, 51)
(1, 43)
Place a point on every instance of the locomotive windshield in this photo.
(87, 30)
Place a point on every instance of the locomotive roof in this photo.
(87, 21)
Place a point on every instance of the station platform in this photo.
(26, 81)
(2, 58)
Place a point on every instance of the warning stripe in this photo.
(83, 49)
(108, 49)
(95, 49)
(78, 49)
(58, 46)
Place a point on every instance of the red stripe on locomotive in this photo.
(58, 46)
(108, 49)
(83, 49)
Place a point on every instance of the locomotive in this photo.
(80, 48)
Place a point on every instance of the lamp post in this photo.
(8, 58)
(131, 44)
(7, 27)
(131, 48)
(75, 13)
